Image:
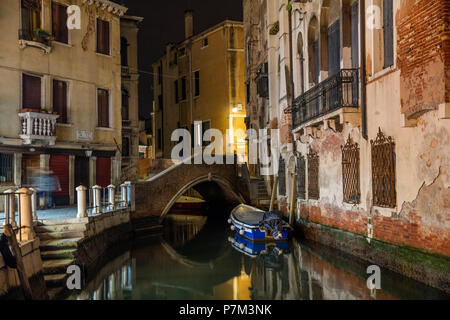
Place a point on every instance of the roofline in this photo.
(135, 18)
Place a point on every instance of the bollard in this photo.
(10, 208)
(34, 203)
(97, 199)
(112, 197)
(131, 200)
(26, 217)
(81, 202)
(124, 188)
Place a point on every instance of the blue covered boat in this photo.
(255, 249)
(258, 225)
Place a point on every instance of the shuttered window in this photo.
(301, 177)
(125, 146)
(103, 172)
(388, 33)
(31, 18)
(197, 83)
(103, 108)
(176, 90)
(281, 177)
(334, 52)
(31, 92)
(102, 36)
(60, 100)
(59, 23)
(183, 88)
(355, 35)
(124, 51)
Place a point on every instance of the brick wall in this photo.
(423, 51)
(408, 230)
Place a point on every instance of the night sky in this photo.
(164, 23)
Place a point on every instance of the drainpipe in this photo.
(291, 76)
(190, 89)
(363, 70)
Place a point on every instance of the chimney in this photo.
(188, 24)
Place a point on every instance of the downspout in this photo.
(363, 70)
(291, 76)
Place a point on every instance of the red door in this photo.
(59, 164)
(103, 172)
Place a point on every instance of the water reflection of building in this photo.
(183, 228)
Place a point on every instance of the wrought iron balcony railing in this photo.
(338, 91)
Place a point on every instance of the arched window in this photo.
(124, 51)
(301, 60)
(313, 52)
(125, 105)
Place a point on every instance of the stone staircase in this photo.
(59, 242)
(258, 192)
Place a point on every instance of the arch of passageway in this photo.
(227, 189)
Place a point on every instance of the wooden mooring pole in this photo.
(12, 240)
(274, 192)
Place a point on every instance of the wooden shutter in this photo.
(103, 108)
(388, 33)
(59, 23)
(334, 50)
(60, 100)
(102, 36)
(31, 92)
(197, 83)
(103, 173)
(281, 177)
(59, 164)
(355, 35)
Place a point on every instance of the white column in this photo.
(10, 207)
(124, 194)
(34, 203)
(81, 202)
(97, 199)
(112, 197)
(26, 218)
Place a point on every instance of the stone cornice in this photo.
(109, 6)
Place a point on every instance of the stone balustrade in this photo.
(38, 126)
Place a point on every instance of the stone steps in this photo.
(62, 221)
(55, 244)
(56, 266)
(55, 280)
(60, 228)
(59, 254)
(61, 235)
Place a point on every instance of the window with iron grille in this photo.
(6, 167)
(350, 172)
(301, 177)
(281, 177)
(383, 171)
(313, 175)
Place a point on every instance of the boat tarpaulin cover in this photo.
(272, 222)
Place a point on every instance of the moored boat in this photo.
(255, 249)
(257, 225)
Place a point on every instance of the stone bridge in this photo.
(217, 184)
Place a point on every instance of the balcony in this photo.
(336, 96)
(38, 126)
(37, 39)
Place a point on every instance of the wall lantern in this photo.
(88, 153)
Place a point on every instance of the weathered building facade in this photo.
(199, 85)
(60, 96)
(369, 116)
(129, 28)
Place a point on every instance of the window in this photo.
(383, 171)
(159, 139)
(59, 23)
(125, 146)
(197, 83)
(160, 102)
(301, 177)
(281, 177)
(31, 18)
(248, 92)
(6, 167)
(102, 36)
(124, 51)
(313, 175)
(205, 42)
(388, 33)
(183, 88)
(103, 108)
(60, 100)
(176, 90)
(350, 172)
(125, 105)
(182, 52)
(31, 92)
(262, 81)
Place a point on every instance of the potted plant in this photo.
(275, 28)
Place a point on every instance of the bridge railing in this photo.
(97, 200)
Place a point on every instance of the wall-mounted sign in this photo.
(84, 135)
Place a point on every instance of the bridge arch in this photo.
(226, 187)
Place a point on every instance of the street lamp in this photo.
(88, 153)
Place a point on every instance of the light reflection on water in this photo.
(195, 261)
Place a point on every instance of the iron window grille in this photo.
(383, 171)
(6, 167)
(281, 177)
(262, 81)
(350, 172)
(301, 177)
(313, 175)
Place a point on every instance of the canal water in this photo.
(198, 258)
